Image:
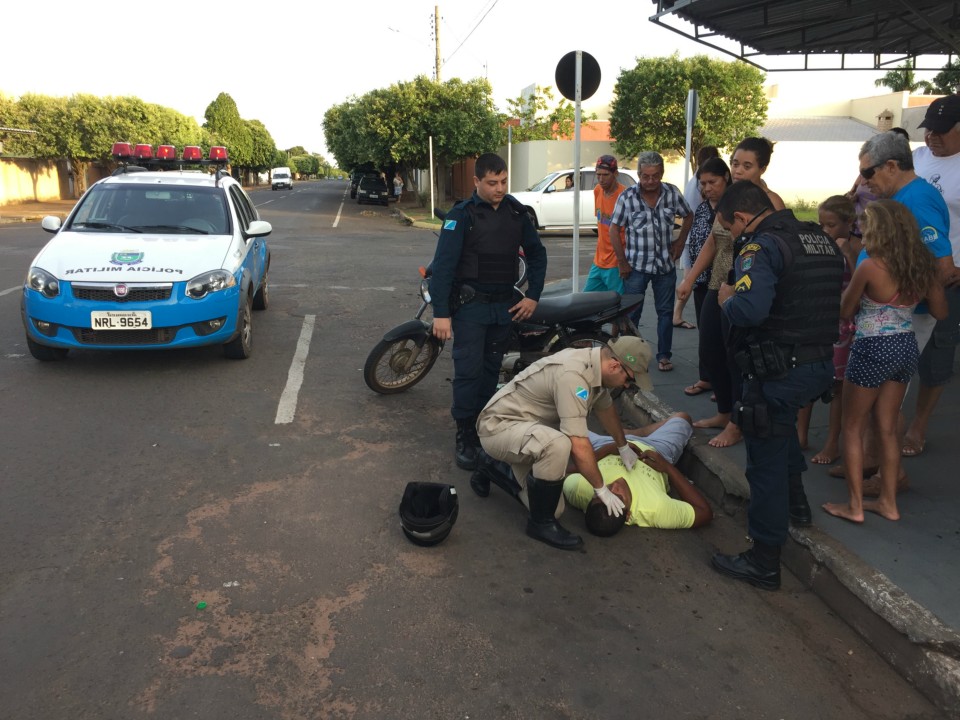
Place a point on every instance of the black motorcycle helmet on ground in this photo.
(428, 511)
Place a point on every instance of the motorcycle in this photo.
(564, 320)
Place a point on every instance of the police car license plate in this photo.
(121, 320)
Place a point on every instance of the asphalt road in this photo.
(135, 485)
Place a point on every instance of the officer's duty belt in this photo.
(492, 297)
(805, 354)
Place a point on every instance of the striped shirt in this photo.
(649, 229)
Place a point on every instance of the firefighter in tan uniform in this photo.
(538, 421)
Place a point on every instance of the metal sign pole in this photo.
(575, 278)
(430, 145)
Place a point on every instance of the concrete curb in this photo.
(908, 636)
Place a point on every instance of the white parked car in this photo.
(550, 201)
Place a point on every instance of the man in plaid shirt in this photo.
(647, 212)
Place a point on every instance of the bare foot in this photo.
(829, 454)
(717, 421)
(843, 511)
(730, 435)
(890, 512)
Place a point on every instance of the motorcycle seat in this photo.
(559, 308)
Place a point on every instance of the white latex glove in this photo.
(628, 456)
(613, 504)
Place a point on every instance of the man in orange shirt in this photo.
(605, 272)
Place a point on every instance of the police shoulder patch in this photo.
(582, 392)
(746, 262)
(743, 284)
(449, 224)
(750, 247)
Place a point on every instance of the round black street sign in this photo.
(566, 75)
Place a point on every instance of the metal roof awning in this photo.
(853, 32)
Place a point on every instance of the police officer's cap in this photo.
(634, 353)
(428, 511)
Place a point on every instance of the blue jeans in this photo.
(664, 291)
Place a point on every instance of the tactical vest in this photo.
(806, 308)
(491, 243)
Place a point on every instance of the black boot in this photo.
(480, 480)
(800, 515)
(759, 566)
(542, 525)
(467, 444)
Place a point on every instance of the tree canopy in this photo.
(649, 106)
(82, 128)
(541, 118)
(392, 126)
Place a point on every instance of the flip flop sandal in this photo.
(695, 389)
(664, 365)
(685, 325)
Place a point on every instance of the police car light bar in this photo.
(142, 154)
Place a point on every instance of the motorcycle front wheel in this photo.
(394, 366)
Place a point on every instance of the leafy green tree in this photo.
(305, 164)
(392, 126)
(297, 150)
(263, 147)
(541, 118)
(947, 81)
(228, 128)
(903, 79)
(649, 106)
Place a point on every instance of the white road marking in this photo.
(287, 407)
(347, 287)
(336, 220)
(274, 286)
(10, 290)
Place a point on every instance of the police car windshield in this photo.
(152, 208)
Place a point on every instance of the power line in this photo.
(471, 31)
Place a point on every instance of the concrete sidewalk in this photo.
(897, 584)
(34, 211)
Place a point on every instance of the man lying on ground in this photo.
(645, 489)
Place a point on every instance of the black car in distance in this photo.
(373, 188)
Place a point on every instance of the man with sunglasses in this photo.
(938, 162)
(886, 165)
(538, 421)
(783, 306)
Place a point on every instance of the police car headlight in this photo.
(43, 282)
(210, 282)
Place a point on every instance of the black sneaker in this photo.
(745, 567)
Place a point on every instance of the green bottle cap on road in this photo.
(201, 605)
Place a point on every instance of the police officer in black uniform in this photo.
(472, 286)
(784, 305)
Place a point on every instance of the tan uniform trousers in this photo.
(529, 446)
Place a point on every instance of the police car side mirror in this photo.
(51, 223)
(258, 228)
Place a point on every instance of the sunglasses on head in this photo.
(867, 173)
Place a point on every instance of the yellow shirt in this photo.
(651, 506)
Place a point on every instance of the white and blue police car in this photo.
(155, 256)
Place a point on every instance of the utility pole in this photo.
(436, 36)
